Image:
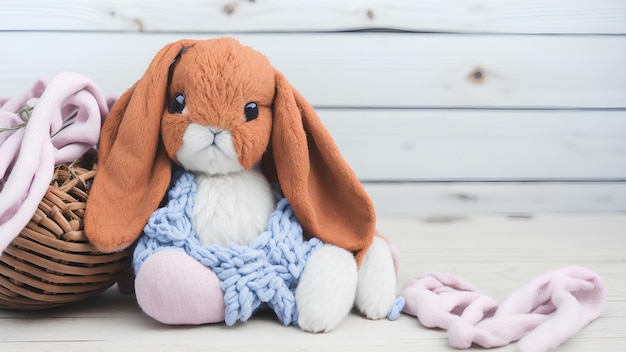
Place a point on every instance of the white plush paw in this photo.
(325, 294)
(376, 289)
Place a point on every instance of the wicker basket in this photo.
(51, 263)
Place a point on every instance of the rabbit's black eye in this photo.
(251, 111)
(178, 104)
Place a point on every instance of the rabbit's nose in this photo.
(215, 130)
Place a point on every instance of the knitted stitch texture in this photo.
(266, 272)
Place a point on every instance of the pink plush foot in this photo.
(174, 288)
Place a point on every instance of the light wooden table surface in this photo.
(495, 253)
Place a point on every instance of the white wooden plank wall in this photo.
(442, 107)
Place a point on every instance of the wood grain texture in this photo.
(475, 16)
(509, 127)
(496, 254)
(362, 69)
(403, 107)
(481, 145)
(515, 199)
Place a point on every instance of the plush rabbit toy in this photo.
(220, 110)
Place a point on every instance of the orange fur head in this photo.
(217, 79)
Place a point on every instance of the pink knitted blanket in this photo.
(541, 315)
(46, 126)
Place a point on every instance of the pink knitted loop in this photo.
(541, 315)
(64, 123)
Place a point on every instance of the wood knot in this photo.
(139, 24)
(464, 197)
(477, 75)
(229, 9)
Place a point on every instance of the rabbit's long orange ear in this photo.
(133, 168)
(325, 194)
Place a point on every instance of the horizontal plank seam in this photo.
(330, 31)
(474, 108)
(618, 181)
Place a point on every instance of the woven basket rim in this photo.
(51, 262)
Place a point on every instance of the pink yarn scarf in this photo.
(60, 123)
(541, 315)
